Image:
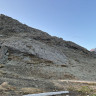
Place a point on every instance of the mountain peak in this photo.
(93, 50)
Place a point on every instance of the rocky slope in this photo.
(32, 58)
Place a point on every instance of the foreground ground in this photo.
(75, 87)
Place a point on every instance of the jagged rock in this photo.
(3, 54)
(36, 48)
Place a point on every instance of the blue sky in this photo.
(73, 20)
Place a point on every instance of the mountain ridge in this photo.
(36, 34)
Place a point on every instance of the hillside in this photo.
(32, 58)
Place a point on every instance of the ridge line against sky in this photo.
(73, 20)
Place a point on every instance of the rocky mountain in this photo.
(93, 50)
(32, 58)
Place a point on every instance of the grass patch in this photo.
(85, 90)
(71, 88)
(93, 95)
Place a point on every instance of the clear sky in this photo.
(73, 20)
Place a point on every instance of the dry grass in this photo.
(31, 90)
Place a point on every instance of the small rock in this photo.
(1, 65)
